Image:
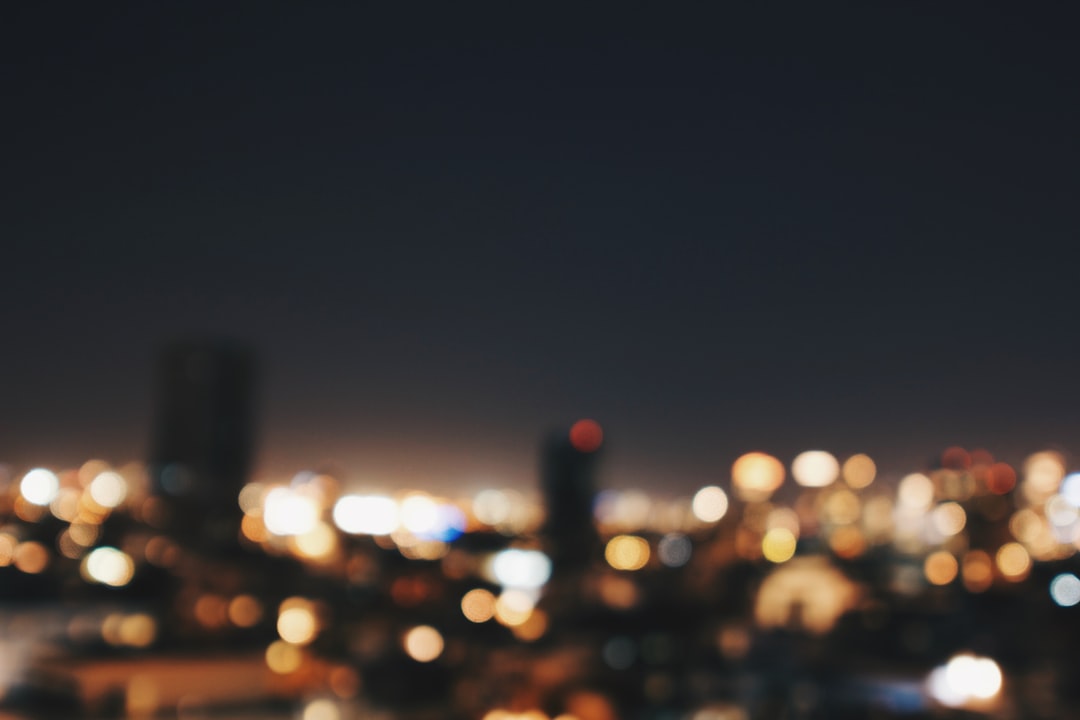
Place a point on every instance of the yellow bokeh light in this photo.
(297, 625)
(859, 471)
(1013, 561)
(108, 566)
(283, 658)
(65, 506)
(245, 611)
(478, 605)
(627, 552)
(137, 630)
(31, 557)
(940, 568)
(815, 468)
(1043, 473)
(710, 504)
(423, 643)
(778, 545)
(756, 475)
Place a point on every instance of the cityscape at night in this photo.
(439, 362)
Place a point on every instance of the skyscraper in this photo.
(203, 436)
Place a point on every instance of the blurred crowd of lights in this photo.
(836, 511)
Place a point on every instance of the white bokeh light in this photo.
(39, 486)
(366, 515)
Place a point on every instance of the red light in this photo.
(586, 436)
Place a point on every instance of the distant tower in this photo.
(567, 476)
(202, 437)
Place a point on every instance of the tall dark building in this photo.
(567, 474)
(203, 436)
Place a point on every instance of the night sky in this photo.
(448, 231)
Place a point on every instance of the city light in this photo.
(39, 486)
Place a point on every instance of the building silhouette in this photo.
(203, 434)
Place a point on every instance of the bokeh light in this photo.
(366, 514)
(859, 471)
(778, 545)
(108, 566)
(289, 512)
(108, 489)
(283, 657)
(1065, 589)
(756, 476)
(478, 605)
(39, 486)
(815, 468)
(710, 504)
(515, 568)
(940, 568)
(423, 643)
(627, 552)
(297, 624)
(586, 436)
(674, 550)
(915, 492)
(1013, 561)
(949, 518)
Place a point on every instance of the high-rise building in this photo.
(567, 472)
(203, 436)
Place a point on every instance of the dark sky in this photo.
(806, 226)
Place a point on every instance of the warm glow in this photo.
(940, 568)
(366, 514)
(949, 518)
(419, 514)
(39, 486)
(423, 643)
(815, 468)
(978, 571)
(710, 504)
(108, 489)
(513, 607)
(756, 475)
(31, 557)
(297, 625)
(108, 566)
(965, 679)
(318, 543)
(627, 552)
(586, 436)
(1043, 473)
(806, 590)
(288, 512)
(778, 545)
(283, 658)
(859, 471)
(138, 630)
(916, 492)
(321, 709)
(478, 605)
(245, 611)
(1013, 561)
(842, 507)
